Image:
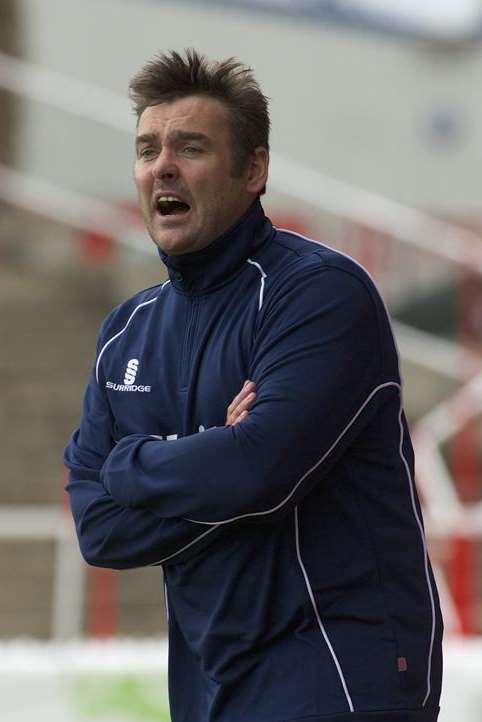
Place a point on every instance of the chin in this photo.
(173, 247)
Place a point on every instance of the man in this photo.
(290, 534)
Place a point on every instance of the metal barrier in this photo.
(36, 523)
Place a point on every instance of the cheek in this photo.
(144, 201)
(142, 196)
(143, 181)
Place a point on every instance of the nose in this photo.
(165, 165)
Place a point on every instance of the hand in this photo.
(238, 408)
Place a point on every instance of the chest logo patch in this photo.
(130, 375)
(131, 371)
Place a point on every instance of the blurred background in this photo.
(377, 150)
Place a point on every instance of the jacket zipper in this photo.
(187, 350)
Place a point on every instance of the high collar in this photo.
(212, 266)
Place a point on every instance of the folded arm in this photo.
(316, 365)
(109, 534)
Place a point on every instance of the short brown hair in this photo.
(170, 76)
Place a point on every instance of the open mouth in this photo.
(170, 206)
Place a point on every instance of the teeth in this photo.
(178, 206)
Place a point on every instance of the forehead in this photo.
(194, 113)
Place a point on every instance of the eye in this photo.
(191, 149)
(147, 152)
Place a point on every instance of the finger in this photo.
(247, 388)
(241, 417)
(244, 403)
(241, 408)
(238, 404)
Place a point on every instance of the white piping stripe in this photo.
(315, 466)
(404, 461)
(108, 343)
(186, 546)
(318, 618)
(263, 276)
(425, 551)
(329, 248)
(166, 601)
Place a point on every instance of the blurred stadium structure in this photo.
(67, 256)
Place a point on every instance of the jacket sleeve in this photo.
(317, 366)
(110, 535)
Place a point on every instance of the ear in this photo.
(257, 170)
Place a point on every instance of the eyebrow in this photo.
(145, 138)
(188, 135)
(176, 135)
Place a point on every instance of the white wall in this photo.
(354, 106)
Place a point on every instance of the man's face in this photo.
(183, 174)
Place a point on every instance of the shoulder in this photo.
(318, 283)
(308, 263)
(122, 314)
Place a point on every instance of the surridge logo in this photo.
(131, 371)
(130, 376)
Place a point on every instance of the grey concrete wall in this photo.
(9, 36)
(394, 116)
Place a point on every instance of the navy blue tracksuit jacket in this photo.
(297, 576)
